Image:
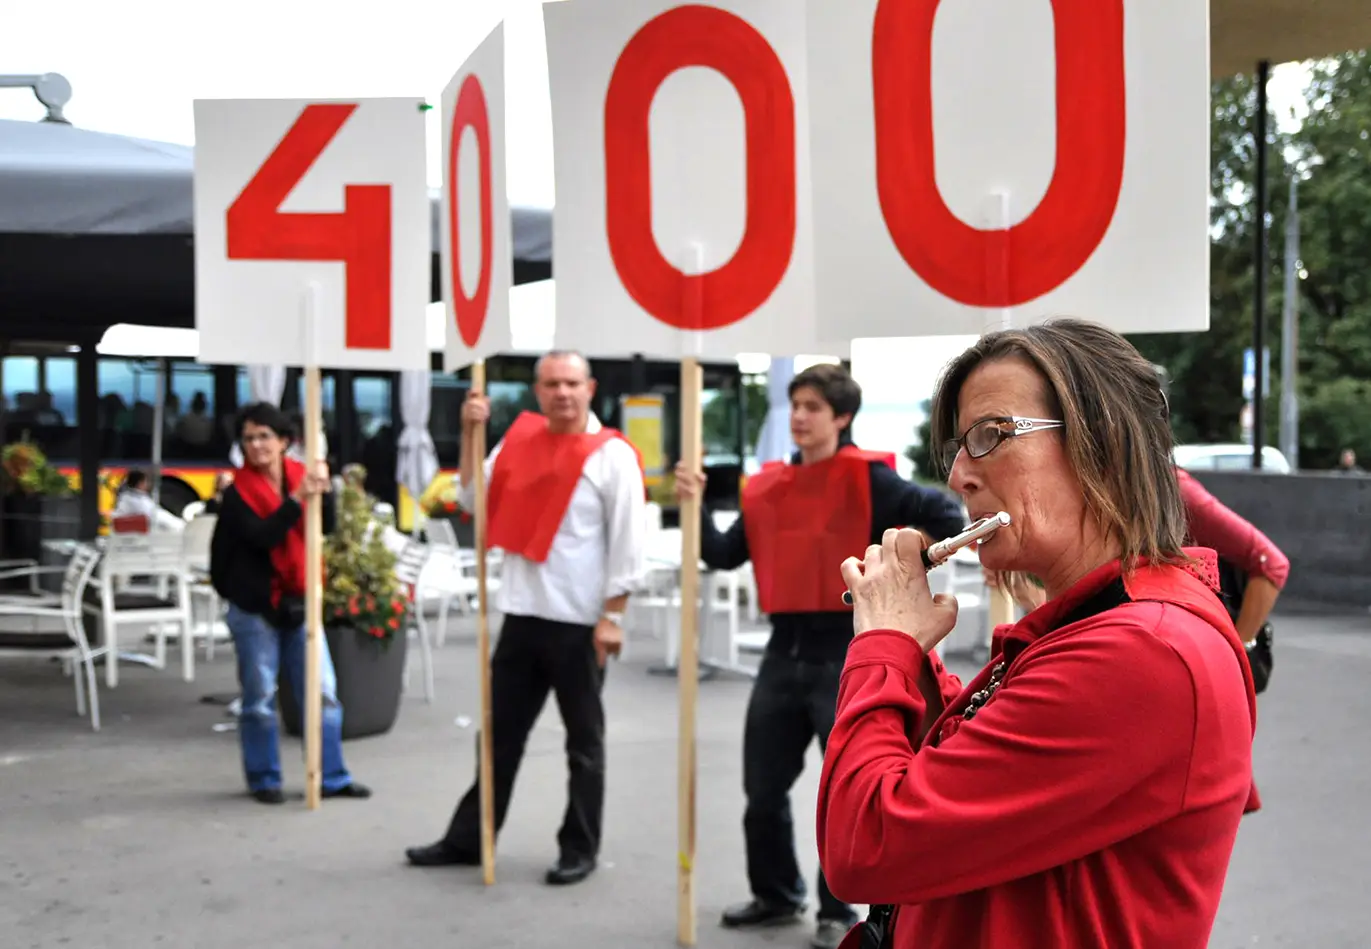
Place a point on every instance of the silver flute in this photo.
(938, 553)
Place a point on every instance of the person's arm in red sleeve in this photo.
(1074, 753)
(1236, 540)
(937, 679)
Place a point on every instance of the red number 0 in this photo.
(700, 36)
(359, 236)
(471, 111)
(1056, 240)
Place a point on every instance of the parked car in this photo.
(1231, 457)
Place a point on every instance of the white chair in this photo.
(12, 569)
(159, 555)
(445, 574)
(449, 578)
(718, 597)
(746, 579)
(441, 533)
(409, 566)
(198, 536)
(78, 658)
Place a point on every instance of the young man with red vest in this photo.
(567, 505)
(798, 523)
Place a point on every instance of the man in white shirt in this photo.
(566, 503)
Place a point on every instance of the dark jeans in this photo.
(533, 657)
(793, 702)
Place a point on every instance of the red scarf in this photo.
(265, 498)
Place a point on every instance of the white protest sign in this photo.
(294, 193)
(478, 269)
(683, 196)
(985, 157)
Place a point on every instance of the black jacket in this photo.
(895, 502)
(240, 551)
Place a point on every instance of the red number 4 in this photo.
(359, 237)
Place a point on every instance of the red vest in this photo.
(531, 485)
(802, 522)
(888, 457)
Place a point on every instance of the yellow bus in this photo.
(361, 418)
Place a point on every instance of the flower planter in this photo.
(370, 677)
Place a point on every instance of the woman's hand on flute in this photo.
(890, 591)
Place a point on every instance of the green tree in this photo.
(1333, 151)
(921, 453)
(1206, 368)
(1330, 154)
(719, 417)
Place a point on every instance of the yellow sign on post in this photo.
(643, 423)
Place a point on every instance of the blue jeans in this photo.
(262, 649)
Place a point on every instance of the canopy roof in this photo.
(97, 229)
(1244, 32)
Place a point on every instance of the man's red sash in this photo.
(531, 484)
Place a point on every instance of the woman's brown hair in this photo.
(1117, 428)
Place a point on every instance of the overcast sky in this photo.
(136, 66)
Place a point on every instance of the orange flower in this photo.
(378, 632)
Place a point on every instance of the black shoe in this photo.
(757, 913)
(569, 869)
(829, 934)
(359, 791)
(442, 854)
(269, 796)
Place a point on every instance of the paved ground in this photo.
(140, 836)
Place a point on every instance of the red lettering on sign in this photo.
(359, 236)
(1054, 242)
(686, 36)
(471, 111)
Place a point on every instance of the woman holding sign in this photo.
(1086, 788)
(257, 564)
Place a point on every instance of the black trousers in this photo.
(793, 702)
(533, 657)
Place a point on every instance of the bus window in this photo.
(60, 385)
(31, 406)
(721, 423)
(445, 418)
(190, 417)
(127, 390)
(244, 385)
(21, 379)
(371, 401)
(293, 404)
(507, 400)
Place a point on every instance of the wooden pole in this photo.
(486, 777)
(999, 603)
(688, 668)
(314, 599)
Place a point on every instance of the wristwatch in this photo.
(616, 618)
